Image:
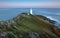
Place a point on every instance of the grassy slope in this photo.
(35, 24)
(29, 23)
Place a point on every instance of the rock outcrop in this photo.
(28, 26)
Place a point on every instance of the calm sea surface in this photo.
(9, 13)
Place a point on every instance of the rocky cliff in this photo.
(28, 26)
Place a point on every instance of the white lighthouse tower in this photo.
(31, 11)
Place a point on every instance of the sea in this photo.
(52, 13)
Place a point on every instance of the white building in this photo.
(31, 11)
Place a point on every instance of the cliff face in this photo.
(28, 26)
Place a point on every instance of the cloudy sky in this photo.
(29, 3)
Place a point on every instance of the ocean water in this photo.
(9, 13)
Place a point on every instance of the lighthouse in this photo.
(31, 11)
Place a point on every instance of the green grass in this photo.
(29, 23)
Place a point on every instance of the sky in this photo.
(30, 3)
